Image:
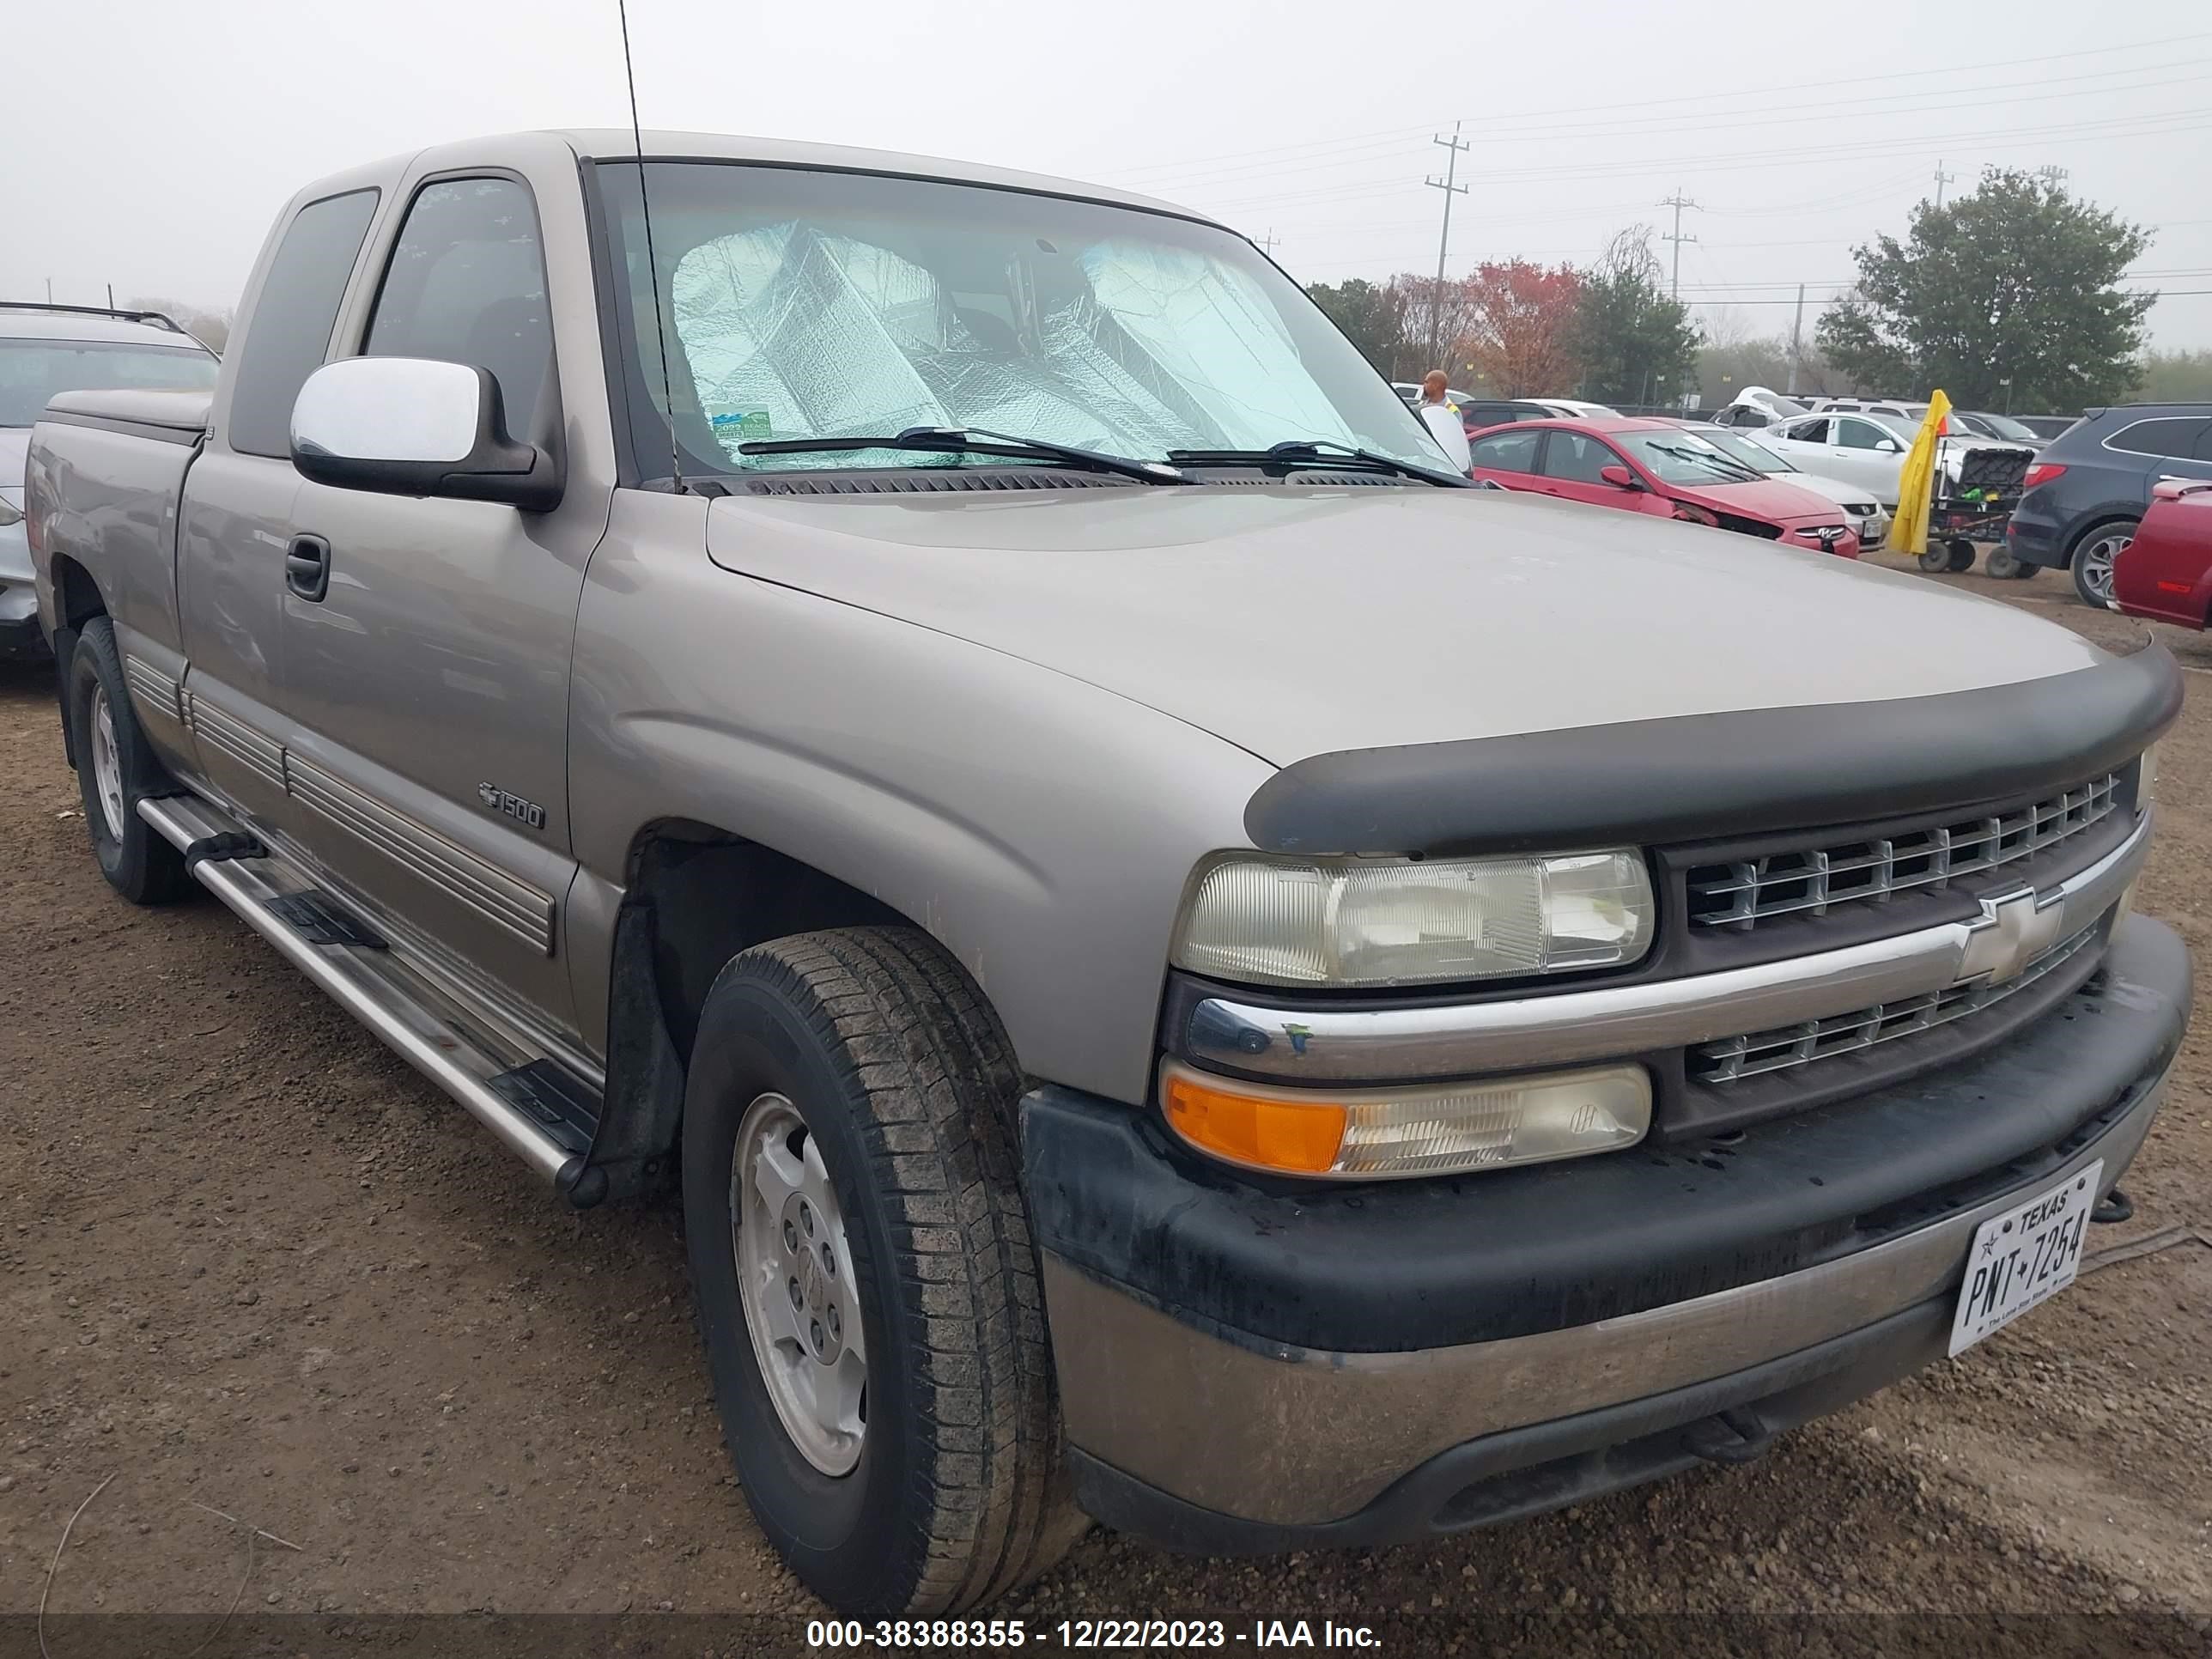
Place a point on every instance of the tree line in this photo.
(2007, 296)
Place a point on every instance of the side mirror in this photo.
(1890, 446)
(411, 425)
(1619, 476)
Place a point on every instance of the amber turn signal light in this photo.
(1252, 1126)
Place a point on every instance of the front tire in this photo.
(116, 768)
(2094, 555)
(882, 1366)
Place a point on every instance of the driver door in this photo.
(1865, 453)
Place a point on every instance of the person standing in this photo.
(1441, 417)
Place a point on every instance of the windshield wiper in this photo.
(1294, 451)
(962, 441)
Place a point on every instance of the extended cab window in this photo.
(290, 330)
(1860, 434)
(1506, 452)
(466, 284)
(1807, 432)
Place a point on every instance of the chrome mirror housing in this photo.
(413, 426)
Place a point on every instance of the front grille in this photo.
(1741, 893)
(1727, 1060)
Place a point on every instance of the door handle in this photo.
(307, 567)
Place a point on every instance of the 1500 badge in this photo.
(513, 807)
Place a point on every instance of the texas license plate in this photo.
(2024, 1256)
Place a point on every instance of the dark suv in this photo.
(2088, 487)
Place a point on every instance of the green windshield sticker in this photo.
(744, 426)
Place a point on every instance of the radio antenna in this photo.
(652, 265)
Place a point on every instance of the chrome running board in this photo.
(420, 1023)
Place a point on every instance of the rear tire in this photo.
(2093, 558)
(2006, 567)
(944, 1485)
(116, 768)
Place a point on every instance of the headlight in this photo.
(1371, 1134)
(1405, 922)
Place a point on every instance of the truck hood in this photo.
(1295, 621)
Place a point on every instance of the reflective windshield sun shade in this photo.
(820, 305)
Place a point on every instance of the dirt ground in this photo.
(251, 1262)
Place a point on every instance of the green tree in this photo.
(2177, 377)
(1636, 345)
(1373, 318)
(2015, 283)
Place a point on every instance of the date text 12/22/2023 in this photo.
(1083, 1635)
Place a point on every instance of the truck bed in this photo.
(123, 456)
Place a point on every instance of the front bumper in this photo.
(1256, 1368)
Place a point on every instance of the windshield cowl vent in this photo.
(933, 482)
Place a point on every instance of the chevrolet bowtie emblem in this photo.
(2012, 932)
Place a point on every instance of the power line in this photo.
(1827, 85)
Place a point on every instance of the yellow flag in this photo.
(1908, 532)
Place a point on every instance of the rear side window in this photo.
(466, 284)
(1506, 452)
(2170, 437)
(290, 332)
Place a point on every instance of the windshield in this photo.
(2004, 427)
(35, 372)
(1684, 458)
(801, 304)
(1756, 456)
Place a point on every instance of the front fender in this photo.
(1040, 828)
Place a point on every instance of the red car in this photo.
(2166, 571)
(1657, 467)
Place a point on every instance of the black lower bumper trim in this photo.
(1548, 1465)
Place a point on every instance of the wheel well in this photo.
(712, 894)
(77, 596)
(2092, 528)
(696, 896)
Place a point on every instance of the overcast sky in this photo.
(148, 144)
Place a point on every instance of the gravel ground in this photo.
(251, 1261)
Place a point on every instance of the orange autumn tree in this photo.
(1521, 337)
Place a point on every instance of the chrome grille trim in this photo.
(1741, 893)
(1755, 1053)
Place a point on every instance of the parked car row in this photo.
(1663, 468)
(2089, 489)
(47, 350)
(1478, 413)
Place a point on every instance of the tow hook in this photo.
(1735, 1435)
(2115, 1206)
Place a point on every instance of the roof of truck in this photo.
(606, 142)
(50, 326)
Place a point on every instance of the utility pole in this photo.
(1444, 239)
(1796, 328)
(50, 290)
(1678, 202)
(1267, 244)
(1941, 179)
(111, 297)
(2053, 177)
